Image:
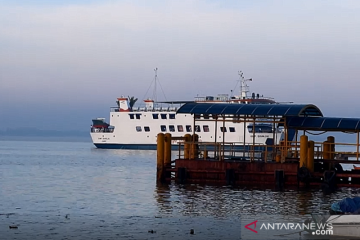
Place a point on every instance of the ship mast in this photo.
(155, 94)
(244, 88)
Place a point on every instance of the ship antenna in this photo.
(244, 88)
(155, 94)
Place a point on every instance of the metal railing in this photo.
(261, 152)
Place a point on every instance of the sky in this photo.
(63, 63)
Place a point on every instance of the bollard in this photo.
(160, 157)
(310, 156)
(187, 146)
(303, 150)
(167, 155)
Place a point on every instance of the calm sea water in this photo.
(71, 190)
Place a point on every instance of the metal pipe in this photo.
(253, 145)
(244, 136)
(215, 153)
(357, 146)
(223, 148)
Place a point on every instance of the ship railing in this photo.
(144, 109)
(114, 109)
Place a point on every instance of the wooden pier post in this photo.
(160, 157)
(310, 156)
(326, 150)
(331, 141)
(303, 150)
(194, 147)
(167, 155)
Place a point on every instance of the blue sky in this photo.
(64, 62)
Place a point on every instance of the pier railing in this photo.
(282, 152)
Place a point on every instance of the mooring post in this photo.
(310, 156)
(303, 150)
(331, 141)
(167, 155)
(187, 146)
(194, 146)
(326, 154)
(160, 157)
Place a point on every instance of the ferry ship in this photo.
(137, 127)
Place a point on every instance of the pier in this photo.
(292, 160)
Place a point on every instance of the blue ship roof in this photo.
(323, 123)
(252, 109)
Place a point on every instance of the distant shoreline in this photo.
(47, 138)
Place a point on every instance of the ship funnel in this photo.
(149, 104)
(124, 105)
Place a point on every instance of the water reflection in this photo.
(220, 201)
(163, 198)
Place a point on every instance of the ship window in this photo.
(172, 128)
(163, 128)
(197, 116)
(197, 128)
(171, 116)
(163, 116)
(147, 129)
(138, 128)
(155, 116)
(231, 129)
(206, 128)
(206, 116)
(223, 129)
(137, 116)
(131, 116)
(180, 128)
(188, 128)
(260, 128)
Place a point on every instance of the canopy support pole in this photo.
(357, 146)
